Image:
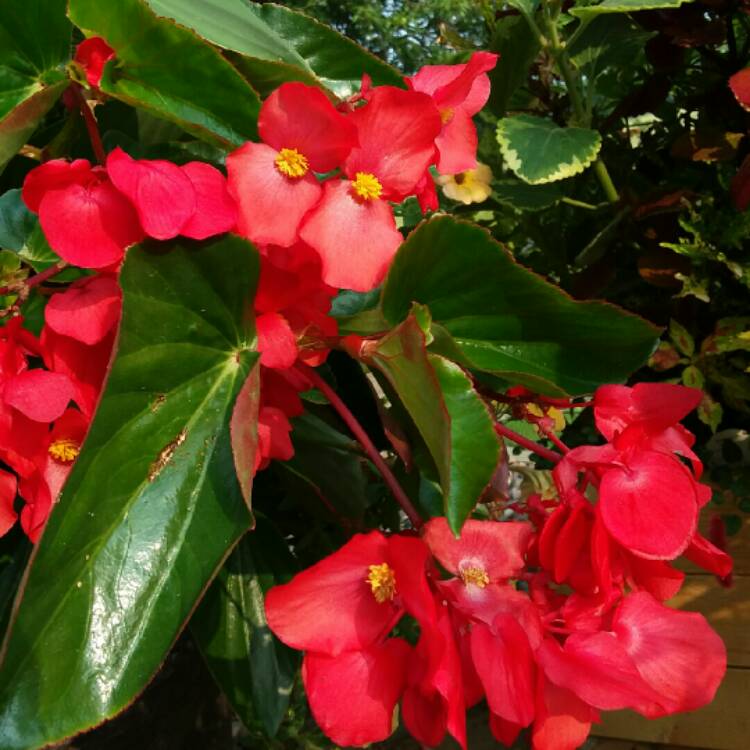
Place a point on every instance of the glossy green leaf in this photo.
(21, 233)
(34, 49)
(492, 314)
(170, 72)
(152, 506)
(253, 668)
(276, 44)
(450, 416)
(585, 12)
(518, 47)
(540, 151)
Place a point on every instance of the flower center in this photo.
(367, 186)
(477, 576)
(446, 115)
(382, 581)
(460, 178)
(64, 450)
(292, 163)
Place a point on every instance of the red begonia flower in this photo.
(273, 182)
(740, 85)
(20, 438)
(92, 55)
(486, 552)
(277, 343)
(563, 720)
(459, 92)
(677, 654)
(38, 394)
(215, 211)
(649, 505)
(87, 310)
(356, 238)
(163, 195)
(346, 602)
(273, 436)
(8, 490)
(505, 664)
(62, 448)
(353, 696)
(74, 200)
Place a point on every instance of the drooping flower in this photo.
(459, 92)
(273, 182)
(353, 228)
(471, 186)
(74, 200)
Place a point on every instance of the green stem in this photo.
(606, 181)
(580, 204)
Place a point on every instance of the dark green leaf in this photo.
(496, 316)
(524, 197)
(275, 44)
(169, 71)
(448, 413)
(151, 507)
(34, 49)
(16, 221)
(254, 669)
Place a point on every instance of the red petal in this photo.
(87, 311)
(330, 607)
(355, 240)
(505, 665)
(39, 394)
(215, 211)
(598, 669)
(457, 144)
(38, 506)
(273, 436)
(93, 54)
(505, 732)
(270, 205)
(397, 131)
(353, 696)
(72, 425)
(709, 557)
(563, 720)
(650, 505)
(573, 536)
(657, 577)
(96, 212)
(276, 341)
(739, 188)
(677, 653)
(161, 192)
(8, 490)
(496, 547)
(410, 560)
(301, 117)
(740, 85)
(55, 174)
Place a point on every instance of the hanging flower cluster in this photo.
(551, 619)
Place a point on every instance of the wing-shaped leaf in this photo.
(450, 416)
(491, 314)
(152, 506)
(253, 668)
(34, 49)
(276, 44)
(539, 151)
(169, 71)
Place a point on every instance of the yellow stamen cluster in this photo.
(64, 450)
(382, 581)
(367, 186)
(291, 163)
(446, 115)
(475, 576)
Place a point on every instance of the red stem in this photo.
(540, 450)
(364, 439)
(550, 435)
(91, 126)
(37, 279)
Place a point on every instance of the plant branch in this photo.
(364, 439)
(540, 450)
(91, 126)
(35, 280)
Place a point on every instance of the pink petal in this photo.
(215, 211)
(650, 506)
(356, 240)
(86, 311)
(161, 192)
(270, 205)
(330, 607)
(301, 117)
(677, 653)
(457, 144)
(563, 720)
(39, 394)
(353, 696)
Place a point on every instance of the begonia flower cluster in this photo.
(315, 197)
(550, 619)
